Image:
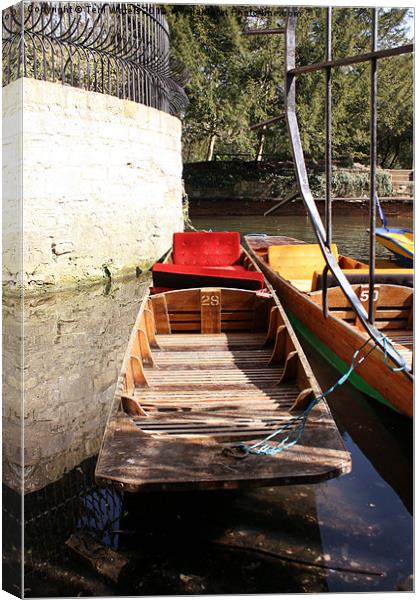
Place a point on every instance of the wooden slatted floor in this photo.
(217, 386)
(192, 414)
(403, 342)
(227, 341)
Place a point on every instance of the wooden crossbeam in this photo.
(137, 370)
(352, 60)
(150, 325)
(160, 311)
(290, 367)
(303, 400)
(275, 320)
(266, 123)
(132, 407)
(145, 351)
(266, 31)
(279, 345)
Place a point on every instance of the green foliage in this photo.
(348, 184)
(228, 72)
(236, 81)
(277, 182)
(395, 127)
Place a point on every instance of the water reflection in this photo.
(102, 513)
(365, 518)
(349, 534)
(74, 343)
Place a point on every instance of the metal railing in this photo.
(323, 232)
(113, 48)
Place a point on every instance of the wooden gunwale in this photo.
(184, 411)
(395, 388)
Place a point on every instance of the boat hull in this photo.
(207, 369)
(399, 242)
(328, 354)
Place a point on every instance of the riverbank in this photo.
(235, 188)
(246, 206)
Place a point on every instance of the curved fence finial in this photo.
(113, 48)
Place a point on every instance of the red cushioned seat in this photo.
(189, 276)
(207, 249)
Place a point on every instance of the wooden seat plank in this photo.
(144, 462)
(403, 342)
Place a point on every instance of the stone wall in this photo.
(101, 183)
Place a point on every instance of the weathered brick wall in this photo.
(101, 183)
(74, 346)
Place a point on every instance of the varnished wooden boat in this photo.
(338, 336)
(205, 369)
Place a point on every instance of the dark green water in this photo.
(349, 232)
(354, 533)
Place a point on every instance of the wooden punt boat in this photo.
(339, 335)
(205, 369)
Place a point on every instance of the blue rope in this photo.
(394, 369)
(263, 448)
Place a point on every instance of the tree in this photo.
(395, 109)
(209, 44)
(236, 81)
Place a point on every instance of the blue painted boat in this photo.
(398, 241)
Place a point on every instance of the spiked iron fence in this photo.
(116, 49)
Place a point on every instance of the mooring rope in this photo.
(295, 427)
(386, 361)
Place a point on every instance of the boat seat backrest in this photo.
(221, 309)
(298, 261)
(207, 249)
